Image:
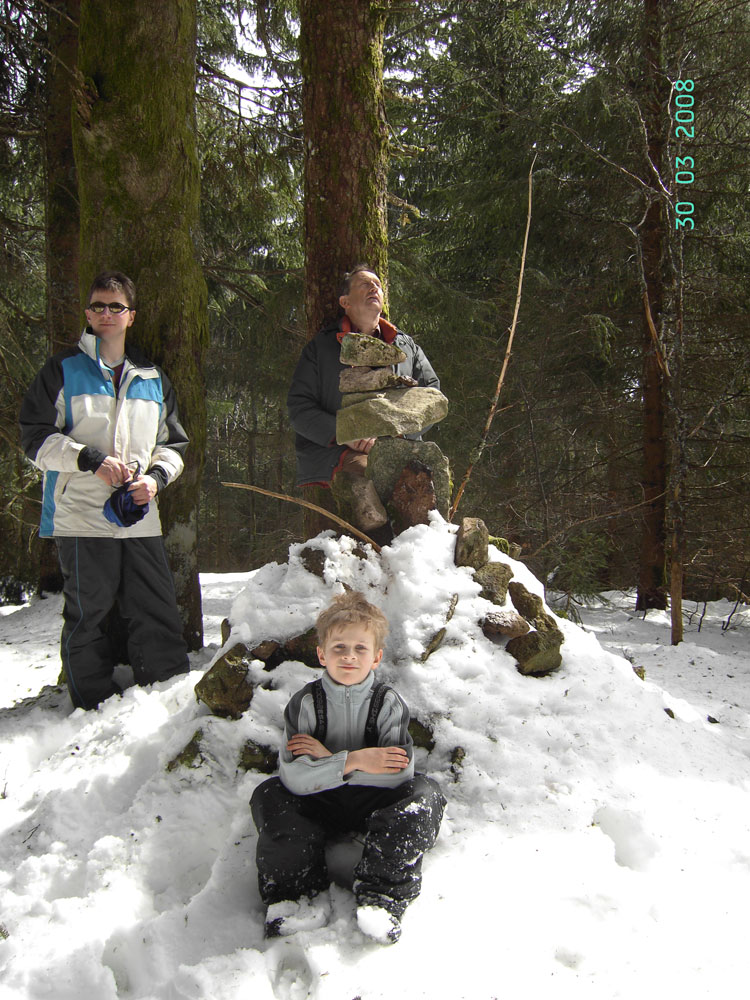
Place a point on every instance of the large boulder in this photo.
(389, 457)
(363, 350)
(391, 413)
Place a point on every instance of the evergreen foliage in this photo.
(473, 93)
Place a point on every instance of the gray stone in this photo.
(389, 457)
(363, 350)
(372, 379)
(351, 398)
(494, 578)
(472, 541)
(358, 502)
(391, 413)
(506, 623)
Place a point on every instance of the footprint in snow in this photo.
(289, 971)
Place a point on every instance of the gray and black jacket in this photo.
(314, 397)
(347, 710)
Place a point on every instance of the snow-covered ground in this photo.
(596, 842)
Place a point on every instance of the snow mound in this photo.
(593, 845)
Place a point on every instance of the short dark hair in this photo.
(113, 281)
(346, 281)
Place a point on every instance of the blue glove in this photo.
(122, 510)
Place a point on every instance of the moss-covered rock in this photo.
(494, 578)
(191, 755)
(225, 688)
(421, 735)
(256, 757)
(537, 652)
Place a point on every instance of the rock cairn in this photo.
(413, 477)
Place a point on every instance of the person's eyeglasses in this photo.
(115, 308)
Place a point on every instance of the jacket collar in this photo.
(337, 693)
(89, 344)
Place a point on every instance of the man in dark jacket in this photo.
(314, 396)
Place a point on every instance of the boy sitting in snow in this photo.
(347, 764)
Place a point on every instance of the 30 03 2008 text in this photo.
(684, 117)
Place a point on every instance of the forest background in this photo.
(621, 447)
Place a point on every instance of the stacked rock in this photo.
(379, 403)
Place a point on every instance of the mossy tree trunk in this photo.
(61, 202)
(346, 147)
(62, 230)
(134, 140)
(652, 591)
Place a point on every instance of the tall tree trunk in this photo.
(64, 317)
(651, 580)
(346, 147)
(61, 197)
(134, 140)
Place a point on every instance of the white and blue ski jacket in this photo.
(72, 418)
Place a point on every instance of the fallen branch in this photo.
(311, 506)
(511, 333)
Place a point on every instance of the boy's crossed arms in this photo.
(371, 760)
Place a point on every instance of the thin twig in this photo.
(506, 359)
(311, 506)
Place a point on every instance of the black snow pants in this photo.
(399, 824)
(135, 573)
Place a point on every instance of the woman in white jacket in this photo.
(99, 416)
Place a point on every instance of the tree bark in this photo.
(62, 230)
(651, 580)
(134, 140)
(346, 147)
(61, 204)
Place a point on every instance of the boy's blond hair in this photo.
(351, 608)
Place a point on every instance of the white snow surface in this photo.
(595, 845)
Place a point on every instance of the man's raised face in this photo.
(365, 295)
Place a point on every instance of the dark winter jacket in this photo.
(72, 417)
(314, 397)
(347, 710)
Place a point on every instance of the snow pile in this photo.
(594, 845)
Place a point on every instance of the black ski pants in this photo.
(399, 824)
(135, 573)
